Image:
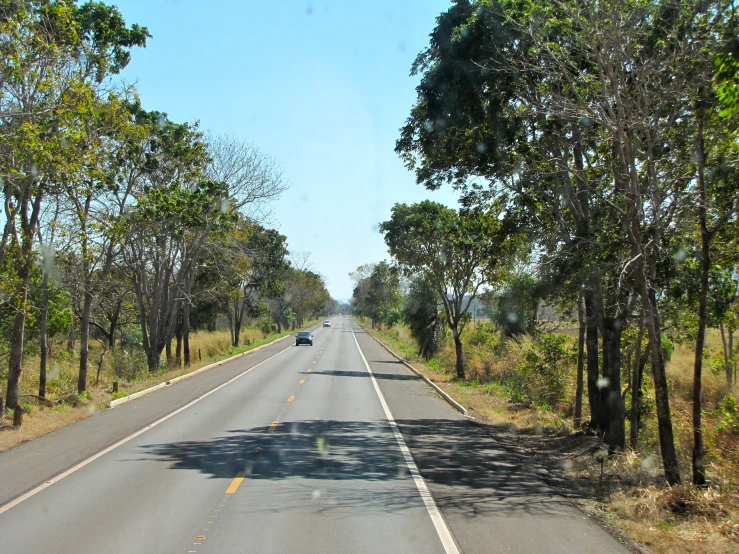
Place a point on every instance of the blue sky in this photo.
(321, 86)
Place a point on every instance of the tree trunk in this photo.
(731, 377)
(186, 332)
(460, 355)
(662, 400)
(237, 333)
(699, 452)
(168, 352)
(591, 344)
(728, 354)
(636, 382)
(71, 338)
(43, 339)
(615, 431)
(84, 338)
(577, 420)
(178, 351)
(20, 297)
(15, 357)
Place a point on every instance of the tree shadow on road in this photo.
(465, 469)
(351, 373)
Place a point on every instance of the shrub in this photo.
(727, 413)
(668, 348)
(423, 313)
(119, 394)
(129, 364)
(515, 307)
(486, 336)
(546, 369)
(264, 324)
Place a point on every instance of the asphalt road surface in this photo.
(334, 448)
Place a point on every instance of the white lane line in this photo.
(442, 530)
(132, 436)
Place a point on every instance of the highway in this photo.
(334, 448)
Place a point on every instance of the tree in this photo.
(515, 308)
(423, 311)
(577, 127)
(457, 252)
(56, 54)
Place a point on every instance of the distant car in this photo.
(304, 337)
(327, 323)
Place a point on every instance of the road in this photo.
(333, 448)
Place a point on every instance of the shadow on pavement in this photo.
(350, 373)
(465, 469)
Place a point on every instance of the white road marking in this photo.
(123, 441)
(442, 530)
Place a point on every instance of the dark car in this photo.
(304, 337)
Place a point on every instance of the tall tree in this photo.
(56, 54)
(457, 252)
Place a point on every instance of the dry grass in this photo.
(679, 519)
(205, 347)
(630, 493)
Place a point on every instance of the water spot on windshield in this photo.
(648, 462)
(603, 382)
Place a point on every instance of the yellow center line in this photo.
(291, 398)
(314, 363)
(236, 483)
(274, 425)
(302, 381)
(310, 369)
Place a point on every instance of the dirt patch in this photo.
(40, 422)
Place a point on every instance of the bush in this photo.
(515, 307)
(668, 348)
(129, 364)
(264, 324)
(423, 314)
(486, 336)
(546, 370)
(727, 413)
(394, 316)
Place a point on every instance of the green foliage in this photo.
(668, 348)
(119, 394)
(394, 316)
(377, 294)
(264, 324)
(485, 335)
(727, 413)
(514, 309)
(130, 364)
(423, 313)
(547, 369)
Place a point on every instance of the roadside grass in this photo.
(626, 490)
(66, 407)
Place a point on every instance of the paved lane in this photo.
(296, 455)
